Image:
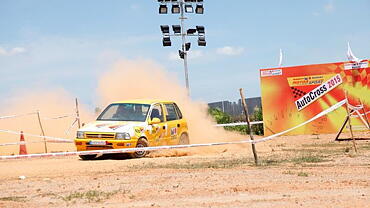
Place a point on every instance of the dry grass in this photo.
(227, 163)
(89, 196)
(308, 159)
(215, 164)
(302, 174)
(14, 198)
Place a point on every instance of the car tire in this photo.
(140, 154)
(87, 157)
(184, 139)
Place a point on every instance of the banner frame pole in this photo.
(349, 121)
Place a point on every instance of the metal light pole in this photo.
(183, 37)
(181, 7)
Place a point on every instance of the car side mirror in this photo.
(155, 121)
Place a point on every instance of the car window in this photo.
(171, 112)
(178, 111)
(157, 112)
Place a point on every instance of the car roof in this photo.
(144, 101)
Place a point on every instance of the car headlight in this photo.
(125, 136)
(80, 134)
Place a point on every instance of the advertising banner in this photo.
(291, 95)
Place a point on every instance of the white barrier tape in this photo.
(16, 143)
(359, 114)
(92, 152)
(240, 123)
(47, 118)
(33, 142)
(58, 117)
(361, 117)
(75, 122)
(55, 139)
(69, 129)
(357, 107)
(360, 128)
(332, 108)
(34, 135)
(14, 116)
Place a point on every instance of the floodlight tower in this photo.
(181, 7)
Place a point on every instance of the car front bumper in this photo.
(93, 144)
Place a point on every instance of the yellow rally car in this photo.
(134, 123)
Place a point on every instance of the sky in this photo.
(69, 43)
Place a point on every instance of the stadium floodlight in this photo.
(191, 31)
(202, 41)
(175, 9)
(200, 30)
(187, 46)
(166, 41)
(165, 29)
(182, 7)
(181, 54)
(189, 8)
(163, 9)
(176, 29)
(199, 9)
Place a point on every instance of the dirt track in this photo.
(306, 172)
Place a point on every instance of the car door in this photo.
(183, 126)
(158, 131)
(173, 124)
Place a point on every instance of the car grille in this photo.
(100, 135)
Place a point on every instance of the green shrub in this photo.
(222, 118)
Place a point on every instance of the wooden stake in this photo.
(245, 107)
(42, 131)
(365, 115)
(341, 129)
(349, 122)
(78, 114)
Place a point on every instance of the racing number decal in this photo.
(173, 131)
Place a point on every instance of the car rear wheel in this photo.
(140, 154)
(87, 157)
(184, 139)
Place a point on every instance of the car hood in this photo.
(111, 126)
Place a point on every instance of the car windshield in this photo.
(125, 112)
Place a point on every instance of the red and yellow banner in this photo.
(292, 95)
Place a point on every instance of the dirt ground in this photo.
(294, 171)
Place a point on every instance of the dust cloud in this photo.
(50, 104)
(127, 79)
(142, 79)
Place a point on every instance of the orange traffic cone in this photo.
(22, 147)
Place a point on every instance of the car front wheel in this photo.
(140, 154)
